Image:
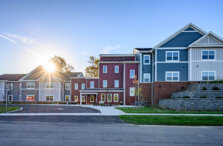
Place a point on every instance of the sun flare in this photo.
(49, 66)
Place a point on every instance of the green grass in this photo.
(159, 110)
(174, 120)
(10, 108)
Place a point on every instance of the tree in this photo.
(137, 89)
(92, 70)
(61, 64)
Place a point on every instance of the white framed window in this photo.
(75, 86)
(91, 84)
(172, 76)
(105, 69)
(109, 97)
(116, 82)
(146, 77)
(132, 74)
(49, 98)
(91, 98)
(172, 56)
(146, 59)
(49, 85)
(208, 55)
(10, 85)
(67, 97)
(82, 86)
(83, 98)
(116, 69)
(10, 97)
(76, 98)
(30, 85)
(30, 97)
(132, 91)
(104, 83)
(208, 75)
(116, 97)
(103, 96)
(67, 86)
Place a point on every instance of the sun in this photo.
(49, 66)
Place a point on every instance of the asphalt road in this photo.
(18, 132)
(29, 108)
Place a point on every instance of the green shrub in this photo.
(186, 97)
(204, 88)
(219, 97)
(203, 96)
(215, 88)
(216, 81)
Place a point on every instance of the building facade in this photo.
(187, 56)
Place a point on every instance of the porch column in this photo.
(81, 99)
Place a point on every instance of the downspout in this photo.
(152, 87)
(124, 83)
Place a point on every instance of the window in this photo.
(208, 55)
(104, 83)
(116, 83)
(172, 76)
(76, 98)
(49, 85)
(67, 97)
(103, 95)
(109, 97)
(172, 56)
(75, 86)
(82, 86)
(91, 98)
(116, 98)
(30, 98)
(105, 69)
(116, 69)
(91, 84)
(67, 86)
(83, 98)
(208, 75)
(10, 86)
(10, 97)
(146, 78)
(132, 91)
(49, 98)
(30, 85)
(132, 74)
(146, 59)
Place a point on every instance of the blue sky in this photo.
(32, 31)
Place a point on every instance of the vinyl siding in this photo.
(55, 91)
(161, 54)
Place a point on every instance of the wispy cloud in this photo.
(7, 38)
(108, 49)
(23, 39)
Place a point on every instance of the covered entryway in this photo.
(88, 98)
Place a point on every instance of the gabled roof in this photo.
(188, 28)
(11, 77)
(210, 39)
(116, 55)
(34, 74)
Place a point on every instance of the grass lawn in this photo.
(10, 108)
(158, 110)
(173, 120)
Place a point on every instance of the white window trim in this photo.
(172, 56)
(48, 84)
(76, 86)
(105, 85)
(66, 86)
(208, 74)
(115, 70)
(144, 77)
(30, 95)
(144, 60)
(130, 74)
(66, 97)
(107, 97)
(27, 85)
(91, 84)
(208, 54)
(82, 86)
(114, 84)
(75, 98)
(101, 97)
(117, 96)
(12, 97)
(90, 98)
(172, 73)
(130, 91)
(49, 95)
(106, 69)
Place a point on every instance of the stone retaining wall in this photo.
(192, 104)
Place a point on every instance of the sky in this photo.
(33, 31)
